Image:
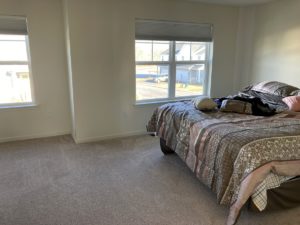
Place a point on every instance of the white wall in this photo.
(244, 46)
(101, 41)
(46, 36)
(276, 44)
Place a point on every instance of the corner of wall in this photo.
(244, 46)
(69, 62)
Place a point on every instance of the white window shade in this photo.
(172, 31)
(13, 25)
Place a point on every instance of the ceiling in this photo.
(234, 2)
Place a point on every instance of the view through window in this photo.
(15, 85)
(170, 69)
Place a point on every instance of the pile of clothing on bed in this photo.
(263, 99)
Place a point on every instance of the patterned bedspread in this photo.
(222, 149)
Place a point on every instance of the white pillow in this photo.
(204, 103)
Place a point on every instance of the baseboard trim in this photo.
(34, 136)
(77, 140)
(109, 137)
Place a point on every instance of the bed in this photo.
(238, 156)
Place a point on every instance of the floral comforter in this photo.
(222, 149)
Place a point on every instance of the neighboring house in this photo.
(14, 87)
(189, 73)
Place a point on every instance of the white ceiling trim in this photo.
(233, 2)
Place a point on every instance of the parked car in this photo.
(160, 78)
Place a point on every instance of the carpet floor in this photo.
(53, 181)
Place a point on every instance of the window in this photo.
(169, 69)
(15, 82)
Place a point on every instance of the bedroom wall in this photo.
(244, 46)
(276, 45)
(52, 115)
(100, 36)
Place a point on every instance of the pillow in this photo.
(295, 93)
(204, 103)
(293, 102)
(274, 87)
(236, 106)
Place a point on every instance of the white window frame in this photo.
(28, 63)
(172, 73)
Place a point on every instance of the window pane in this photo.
(9, 37)
(143, 50)
(198, 50)
(152, 50)
(183, 51)
(14, 84)
(13, 48)
(161, 50)
(189, 79)
(151, 82)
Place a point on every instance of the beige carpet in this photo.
(52, 181)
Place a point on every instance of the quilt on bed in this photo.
(222, 149)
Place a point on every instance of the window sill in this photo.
(19, 106)
(157, 102)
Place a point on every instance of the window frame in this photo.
(172, 63)
(28, 63)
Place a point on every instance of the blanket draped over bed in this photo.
(222, 149)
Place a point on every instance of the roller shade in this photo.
(172, 31)
(13, 25)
